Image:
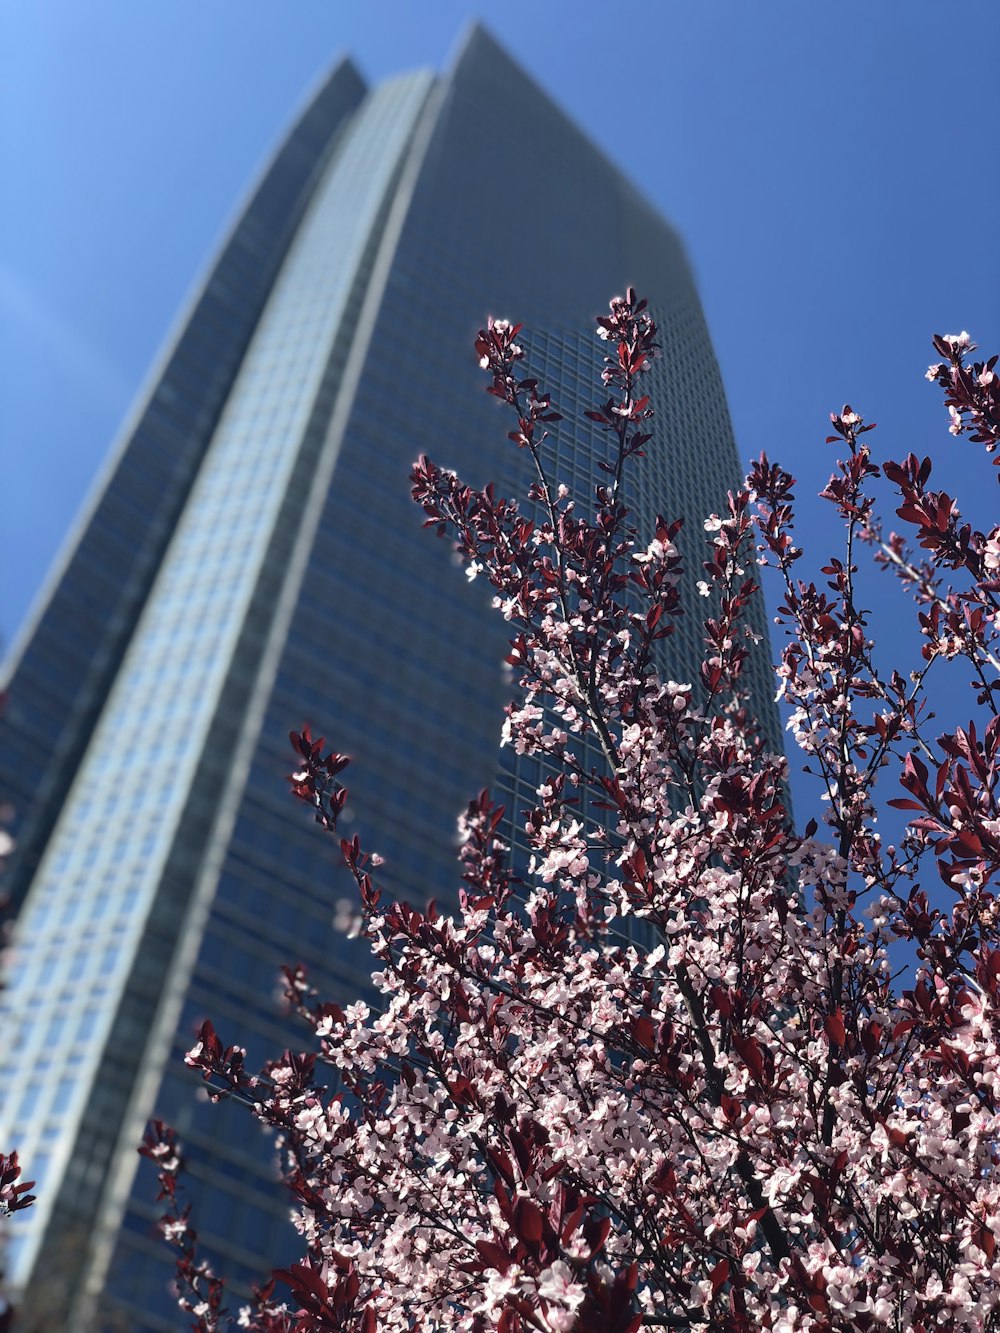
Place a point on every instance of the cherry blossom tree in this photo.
(670, 1062)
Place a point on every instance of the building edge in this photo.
(118, 1187)
(80, 708)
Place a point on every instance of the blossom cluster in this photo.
(659, 1067)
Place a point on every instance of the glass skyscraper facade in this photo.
(251, 560)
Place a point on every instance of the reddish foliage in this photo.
(665, 1074)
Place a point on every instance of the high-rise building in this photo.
(251, 560)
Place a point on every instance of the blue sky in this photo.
(832, 168)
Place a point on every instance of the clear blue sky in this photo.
(831, 166)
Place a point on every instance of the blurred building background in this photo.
(253, 561)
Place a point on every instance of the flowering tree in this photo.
(664, 1074)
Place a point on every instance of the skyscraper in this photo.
(252, 560)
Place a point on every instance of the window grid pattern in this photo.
(59, 682)
(85, 915)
